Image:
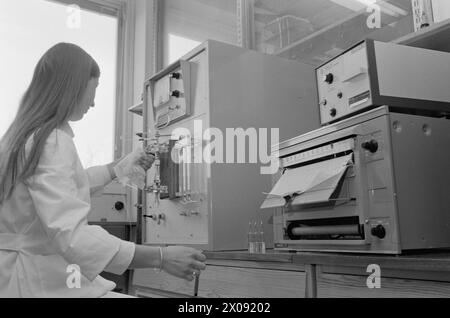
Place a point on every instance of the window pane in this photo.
(441, 10)
(315, 31)
(187, 23)
(27, 30)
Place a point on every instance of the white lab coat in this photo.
(44, 229)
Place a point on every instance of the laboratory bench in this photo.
(313, 274)
(305, 275)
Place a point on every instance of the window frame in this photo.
(243, 27)
(124, 11)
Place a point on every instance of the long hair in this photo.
(58, 85)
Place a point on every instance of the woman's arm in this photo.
(178, 261)
(100, 176)
(144, 160)
(110, 168)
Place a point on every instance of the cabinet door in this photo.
(229, 282)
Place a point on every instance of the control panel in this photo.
(170, 94)
(344, 85)
(375, 73)
(110, 205)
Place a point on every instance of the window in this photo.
(184, 24)
(178, 46)
(441, 10)
(27, 30)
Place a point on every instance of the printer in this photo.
(375, 178)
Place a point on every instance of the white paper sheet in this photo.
(322, 177)
(320, 193)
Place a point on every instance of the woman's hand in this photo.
(183, 262)
(145, 161)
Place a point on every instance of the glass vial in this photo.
(257, 238)
(261, 239)
(251, 239)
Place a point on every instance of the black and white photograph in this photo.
(228, 155)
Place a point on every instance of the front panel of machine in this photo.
(376, 74)
(336, 193)
(344, 85)
(181, 213)
(178, 212)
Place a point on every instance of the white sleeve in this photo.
(64, 215)
(99, 177)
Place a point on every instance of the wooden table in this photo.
(286, 275)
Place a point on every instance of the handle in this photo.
(353, 74)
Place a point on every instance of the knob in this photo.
(175, 76)
(340, 95)
(371, 146)
(176, 94)
(329, 78)
(333, 112)
(324, 102)
(379, 231)
(119, 206)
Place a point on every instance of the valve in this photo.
(154, 217)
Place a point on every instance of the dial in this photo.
(329, 78)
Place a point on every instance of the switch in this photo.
(371, 146)
(333, 112)
(340, 95)
(379, 231)
(329, 78)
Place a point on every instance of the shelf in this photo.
(323, 45)
(435, 37)
(329, 42)
(137, 109)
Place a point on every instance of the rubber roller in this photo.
(326, 230)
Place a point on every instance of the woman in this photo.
(44, 194)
